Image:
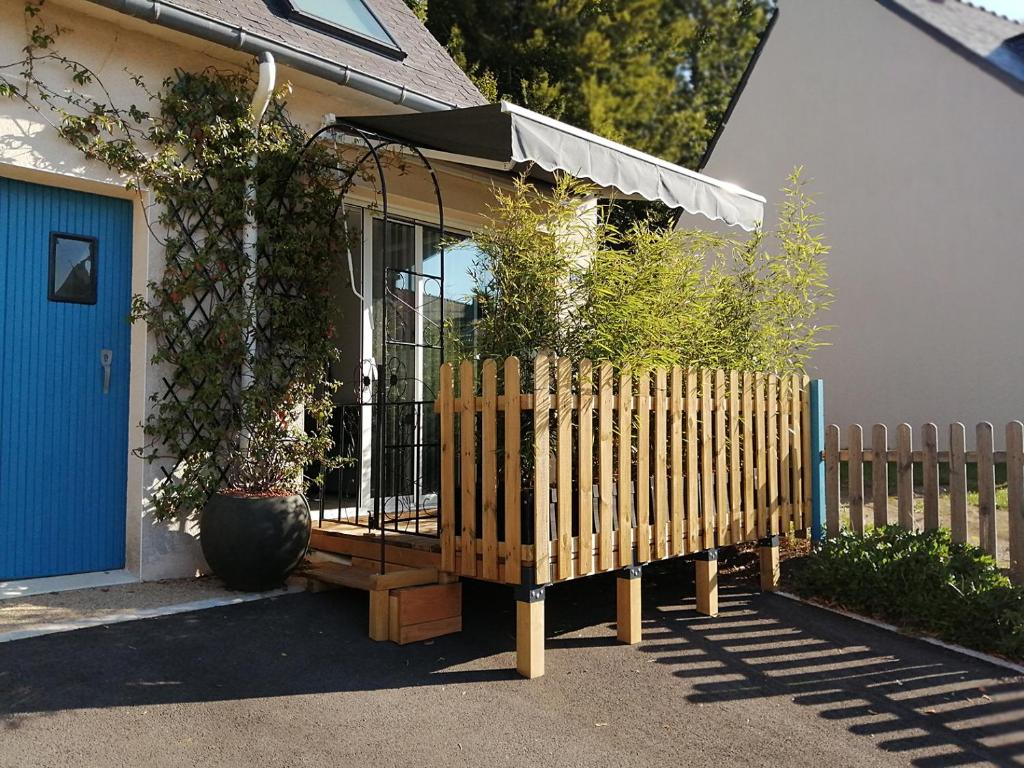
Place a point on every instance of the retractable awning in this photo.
(506, 137)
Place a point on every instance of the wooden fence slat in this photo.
(467, 427)
(586, 469)
(1015, 497)
(880, 474)
(693, 536)
(855, 494)
(958, 482)
(905, 476)
(606, 478)
(749, 461)
(446, 398)
(832, 480)
(930, 475)
(761, 436)
(724, 535)
(563, 449)
(735, 489)
(513, 496)
(986, 489)
(773, 454)
(678, 512)
(643, 467)
(661, 538)
(707, 472)
(796, 453)
(542, 470)
(489, 475)
(625, 479)
(785, 458)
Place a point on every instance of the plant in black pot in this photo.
(256, 528)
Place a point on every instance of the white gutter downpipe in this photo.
(250, 227)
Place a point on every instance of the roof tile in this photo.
(983, 32)
(427, 67)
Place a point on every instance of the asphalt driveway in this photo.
(294, 681)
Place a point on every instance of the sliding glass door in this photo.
(400, 300)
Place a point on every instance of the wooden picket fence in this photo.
(962, 517)
(578, 469)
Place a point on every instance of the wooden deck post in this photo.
(380, 614)
(768, 552)
(707, 582)
(627, 605)
(530, 631)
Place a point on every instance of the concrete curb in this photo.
(988, 659)
(143, 613)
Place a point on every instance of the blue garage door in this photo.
(65, 292)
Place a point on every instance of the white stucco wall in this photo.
(917, 161)
(31, 150)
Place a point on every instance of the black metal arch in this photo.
(376, 144)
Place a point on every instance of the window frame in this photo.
(51, 293)
(347, 34)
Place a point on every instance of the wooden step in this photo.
(423, 613)
(423, 608)
(338, 575)
(342, 575)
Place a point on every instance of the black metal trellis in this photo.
(197, 310)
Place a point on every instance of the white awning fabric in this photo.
(508, 137)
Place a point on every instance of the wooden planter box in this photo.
(421, 613)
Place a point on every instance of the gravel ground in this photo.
(294, 681)
(38, 612)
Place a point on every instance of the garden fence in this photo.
(932, 487)
(575, 468)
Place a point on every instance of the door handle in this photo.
(106, 358)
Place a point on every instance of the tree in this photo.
(654, 74)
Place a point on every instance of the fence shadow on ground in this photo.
(929, 706)
(941, 708)
(292, 645)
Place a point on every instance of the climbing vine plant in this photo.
(242, 348)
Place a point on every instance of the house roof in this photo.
(985, 34)
(427, 72)
(740, 86)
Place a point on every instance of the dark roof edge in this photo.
(955, 45)
(739, 88)
(231, 36)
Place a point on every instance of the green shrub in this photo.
(920, 581)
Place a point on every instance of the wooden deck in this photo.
(631, 468)
(363, 546)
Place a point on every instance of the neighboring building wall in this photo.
(31, 150)
(916, 157)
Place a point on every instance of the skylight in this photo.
(350, 20)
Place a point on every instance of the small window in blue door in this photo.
(72, 269)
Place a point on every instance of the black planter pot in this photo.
(254, 543)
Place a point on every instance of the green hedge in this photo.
(922, 582)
